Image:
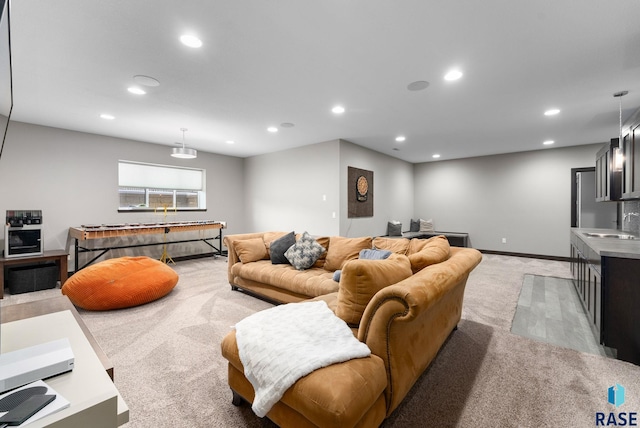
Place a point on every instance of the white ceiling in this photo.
(265, 63)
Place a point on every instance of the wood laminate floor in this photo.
(549, 310)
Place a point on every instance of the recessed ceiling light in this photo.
(400, 138)
(107, 116)
(136, 90)
(552, 112)
(146, 80)
(435, 156)
(230, 142)
(453, 75)
(191, 41)
(548, 142)
(272, 129)
(338, 109)
(418, 85)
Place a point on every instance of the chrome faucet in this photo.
(627, 216)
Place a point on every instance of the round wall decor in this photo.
(362, 188)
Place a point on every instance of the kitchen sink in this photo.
(610, 235)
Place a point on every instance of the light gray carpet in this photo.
(169, 369)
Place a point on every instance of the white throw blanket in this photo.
(280, 345)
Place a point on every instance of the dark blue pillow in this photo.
(415, 226)
(278, 248)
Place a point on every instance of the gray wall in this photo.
(286, 190)
(73, 178)
(295, 189)
(523, 197)
(592, 214)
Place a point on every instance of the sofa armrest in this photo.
(230, 242)
(407, 323)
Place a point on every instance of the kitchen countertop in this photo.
(610, 247)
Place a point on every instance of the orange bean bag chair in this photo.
(120, 283)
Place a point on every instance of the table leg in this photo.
(2, 280)
(76, 256)
(64, 269)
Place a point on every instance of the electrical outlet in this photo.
(504, 240)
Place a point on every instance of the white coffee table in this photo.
(95, 401)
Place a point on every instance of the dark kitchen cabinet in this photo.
(587, 279)
(609, 292)
(631, 168)
(620, 306)
(620, 181)
(608, 178)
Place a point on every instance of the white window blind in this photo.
(133, 174)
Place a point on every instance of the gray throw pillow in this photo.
(304, 253)
(394, 229)
(278, 248)
(414, 226)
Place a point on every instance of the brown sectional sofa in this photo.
(403, 308)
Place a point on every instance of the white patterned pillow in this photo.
(426, 225)
(304, 253)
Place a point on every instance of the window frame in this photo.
(147, 191)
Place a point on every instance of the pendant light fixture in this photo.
(183, 152)
(618, 156)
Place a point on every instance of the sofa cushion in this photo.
(324, 241)
(346, 394)
(342, 249)
(309, 282)
(305, 252)
(426, 252)
(331, 299)
(417, 244)
(278, 247)
(269, 237)
(361, 279)
(251, 250)
(395, 245)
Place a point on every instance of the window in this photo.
(145, 187)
